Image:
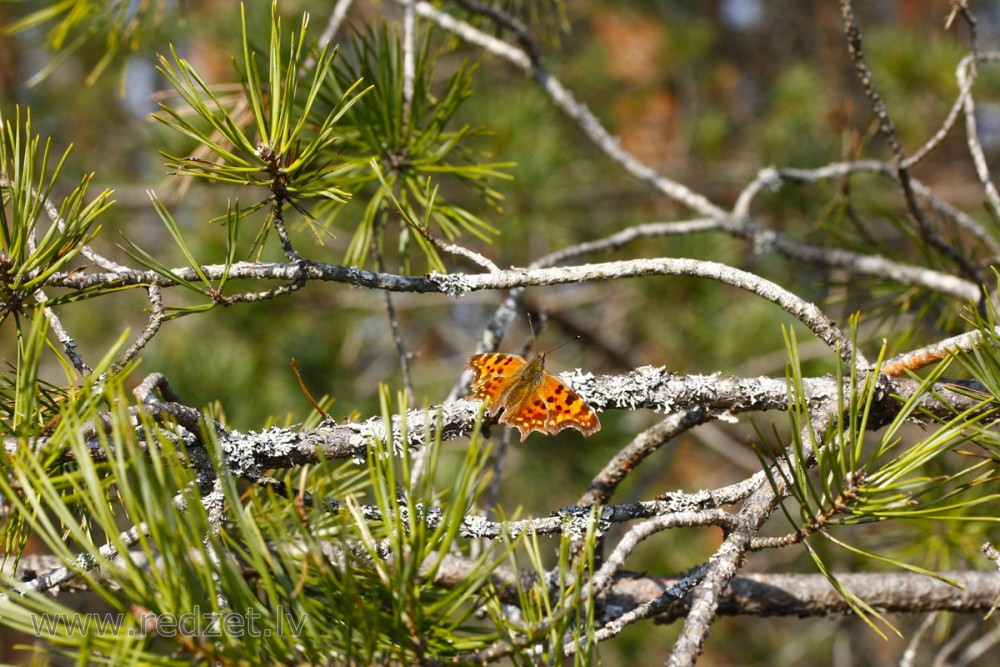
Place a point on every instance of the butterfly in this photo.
(532, 398)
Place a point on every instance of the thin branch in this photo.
(934, 353)
(913, 646)
(397, 337)
(853, 34)
(982, 646)
(627, 544)
(960, 638)
(965, 89)
(280, 196)
(254, 297)
(511, 23)
(67, 341)
(278, 219)
(457, 250)
(156, 318)
(648, 609)
(332, 26)
(409, 58)
(966, 74)
(458, 284)
(146, 391)
(577, 111)
(82, 563)
(630, 234)
(727, 561)
(627, 459)
(401, 351)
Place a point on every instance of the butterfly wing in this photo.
(552, 407)
(494, 375)
(528, 414)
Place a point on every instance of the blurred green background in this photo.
(706, 93)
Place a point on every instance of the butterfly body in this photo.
(532, 399)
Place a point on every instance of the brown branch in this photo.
(812, 595)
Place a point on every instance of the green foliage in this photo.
(795, 132)
(918, 69)
(283, 148)
(26, 187)
(555, 609)
(983, 365)
(37, 241)
(855, 481)
(393, 149)
(283, 154)
(261, 574)
(356, 584)
(78, 23)
(205, 287)
(398, 151)
(406, 617)
(40, 416)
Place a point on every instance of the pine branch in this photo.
(645, 388)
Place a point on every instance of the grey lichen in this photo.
(475, 525)
(241, 451)
(648, 383)
(451, 284)
(578, 521)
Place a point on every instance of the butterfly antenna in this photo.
(562, 344)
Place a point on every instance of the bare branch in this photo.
(966, 77)
(888, 130)
(458, 284)
(332, 26)
(727, 561)
(577, 111)
(152, 327)
(409, 58)
(769, 594)
(934, 353)
(627, 459)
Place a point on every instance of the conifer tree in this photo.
(268, 345)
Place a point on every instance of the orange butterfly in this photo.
(532, 398)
